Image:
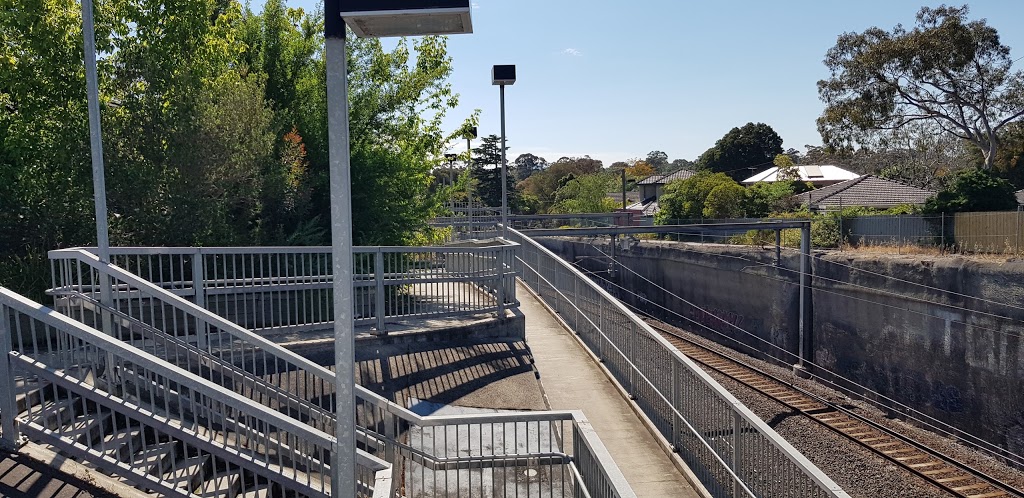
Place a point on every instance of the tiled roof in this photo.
(867, 191)
(680, 174)
(808, 173)
(649, 209)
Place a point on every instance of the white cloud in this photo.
(475, 6)
(572, 52)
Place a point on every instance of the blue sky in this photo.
(615, 80)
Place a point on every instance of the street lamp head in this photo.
(469, 133)
(503, 74)
(385, 18)
(451, 157)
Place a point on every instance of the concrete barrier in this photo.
(926, 331)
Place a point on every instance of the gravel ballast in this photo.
(859, 471)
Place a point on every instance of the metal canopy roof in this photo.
(386, 18)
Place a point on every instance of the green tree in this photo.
(948, 71)
(765, 199)
(658, 160)
(725, 201)
(686, 199)
(787, 168)
(528, 164)
(742, 149)
(973, 190)
(585, 194)
(543, 185)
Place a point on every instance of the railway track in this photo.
(945, 473)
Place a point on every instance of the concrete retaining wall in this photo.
(956, 358)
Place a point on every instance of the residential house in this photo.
(651, 189)
(817, 175)
(866, 191)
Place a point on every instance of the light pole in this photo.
(502, 75)
(451, 180)
(376, 19)
(470, 134)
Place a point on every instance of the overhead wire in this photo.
(875, 289)
(935, 423)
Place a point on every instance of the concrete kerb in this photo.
(78, 471)
(677, 461)
(511, 326)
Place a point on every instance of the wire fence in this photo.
(998, 232)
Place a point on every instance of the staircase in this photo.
(177, 401)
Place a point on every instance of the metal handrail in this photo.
(823, 482)
(464, 281)
(611, 479)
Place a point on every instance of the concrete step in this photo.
(154, 458)
(123, 443)
(54, 414)
(224, 485)
(87, 429)
(187, 473)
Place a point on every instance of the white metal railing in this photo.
(730, 449)
(565, 451)
(143, 419)
(288, 289)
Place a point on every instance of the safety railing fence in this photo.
(164, 324)
(731, 451)
(543, 454)
(289, 289)
(147, 421)
(281, 380)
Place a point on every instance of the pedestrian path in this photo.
(573, 381)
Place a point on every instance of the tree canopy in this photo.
(742, 150)
(948, 70)
(687, 199)
(215, 127)
(973, 190)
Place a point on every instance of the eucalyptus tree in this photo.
(949, 71)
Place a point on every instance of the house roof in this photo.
(808, 173)
(649, 208)
(1020, 196)
(866, 191)
(679, 174)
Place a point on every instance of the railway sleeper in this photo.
(945, 480)
(970, 487)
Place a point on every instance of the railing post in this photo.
(805, 295)
(778, 247)
(199, 295)
(199, 279)
(500, 260)
(1016, 247)
(7, 403)
(676, 423)
(736, 425)
(378, 278)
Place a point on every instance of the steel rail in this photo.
(881, 440)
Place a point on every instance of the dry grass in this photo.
(978, 254)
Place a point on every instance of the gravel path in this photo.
(860, 472)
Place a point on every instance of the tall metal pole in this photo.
(504, 168)
(623, 188)
(805, 294)
(99, 183)
(469, 182)
(343, 468)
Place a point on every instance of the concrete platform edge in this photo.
(79, 471)
(665, 446)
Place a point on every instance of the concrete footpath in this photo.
(572, 381)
